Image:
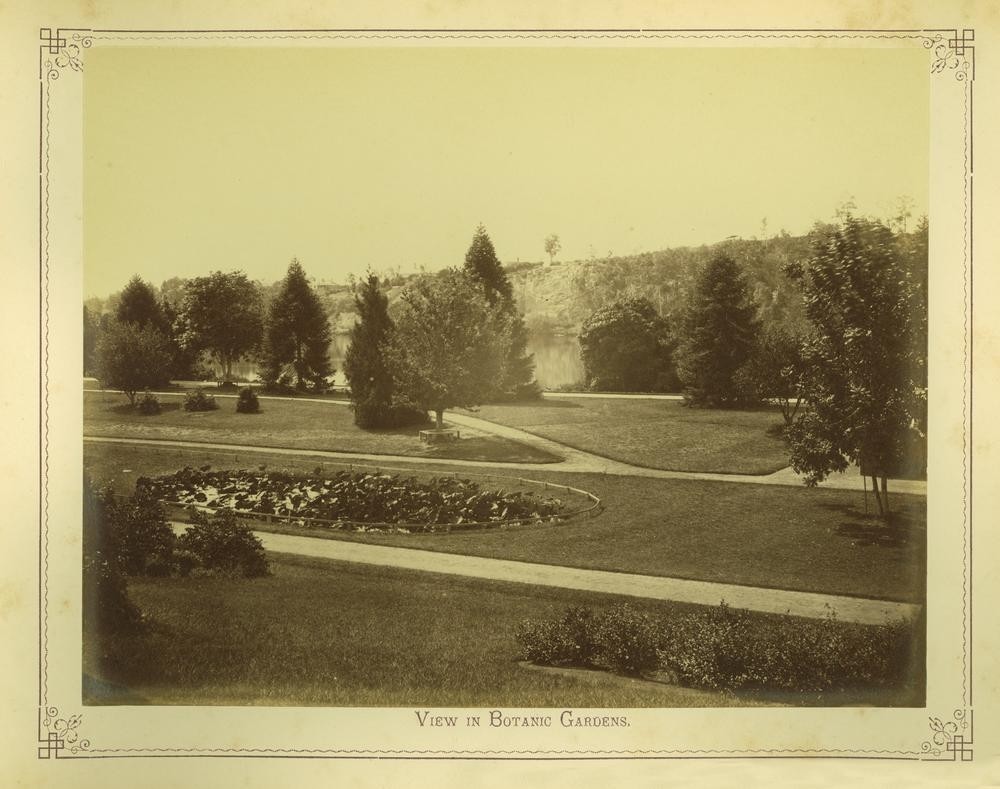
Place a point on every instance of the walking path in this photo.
(775, 601)
(575, 460)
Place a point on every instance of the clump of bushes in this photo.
(381, 416)
(148, 404)
(247, 402)
(220, 543)
(725, 648)
(199, 400)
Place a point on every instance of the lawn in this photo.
(784, 537)
(663, 434)
(319, 632)
(288, 423)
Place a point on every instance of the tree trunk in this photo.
(885, 497)
(439, 412)
(878, 497)
(227, 369)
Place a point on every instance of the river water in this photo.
(557, 360)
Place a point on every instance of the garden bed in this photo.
(369, 499)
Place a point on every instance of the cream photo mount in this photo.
(944, 730)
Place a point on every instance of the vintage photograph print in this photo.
(505, 376)
(554, 377)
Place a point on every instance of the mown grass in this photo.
(785, 537)
(663, 434)
(319, 632)
(287, 423)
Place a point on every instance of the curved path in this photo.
(575, 460)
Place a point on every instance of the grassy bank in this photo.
(319, 632)
(655, 433)
(786, 537)
(288, 423)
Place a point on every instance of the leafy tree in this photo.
(483, 267)
(865, 375)
(137, 304)
(552, 246)
(131, 358)
(297, 337)
(776, 369)
(91, 332)
(626, 347)
(223, 315)
(451, 344)
(481, 263)
(367, 364)
(717, 336)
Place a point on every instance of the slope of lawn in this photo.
(288, 423)
(759, 535)
(662, 434)
(319, 632)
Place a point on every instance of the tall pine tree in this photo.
(367, 366)
(718, 336)
(297, 335)
(483, 266)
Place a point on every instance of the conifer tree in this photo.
(297, 335)
(483, 266)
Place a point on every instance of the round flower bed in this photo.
(363, 500)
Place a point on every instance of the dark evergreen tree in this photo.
(717, 336)
(137, 304)
(482, 264)
(367, 365)
(297, 336)
(483, 267)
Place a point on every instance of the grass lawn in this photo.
(655, 433)
(319, 632)
(286, 423)
(785, 537)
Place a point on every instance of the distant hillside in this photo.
(556, 298)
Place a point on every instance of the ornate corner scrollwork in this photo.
(953, 53)
(65, 49)
(59, 734)
(952, 739)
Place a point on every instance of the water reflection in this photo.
(557, 360)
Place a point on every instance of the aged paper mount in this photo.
(945, 731)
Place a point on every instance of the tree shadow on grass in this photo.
(128, 410)
(905, 527)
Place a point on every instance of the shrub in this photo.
(106, 604)
(727, 649)
(378, 416)
(247, 402)
(626, 641)
(142, 540)
(148, 405)
(199, 400)
(221, 543)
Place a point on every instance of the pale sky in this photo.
(230, 158)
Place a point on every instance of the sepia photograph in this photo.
(435, 394)
(505, 377)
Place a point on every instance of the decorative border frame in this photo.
(62, 50)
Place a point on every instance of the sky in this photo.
(204, 159)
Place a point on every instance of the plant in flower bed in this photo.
(349, 498)
(197, 400)
(725, 648)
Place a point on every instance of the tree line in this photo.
(850, 377)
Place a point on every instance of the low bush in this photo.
(199, 400)
(148, 404)
(378, 416)
(247, 402)
(726, 649)
(222, 544)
